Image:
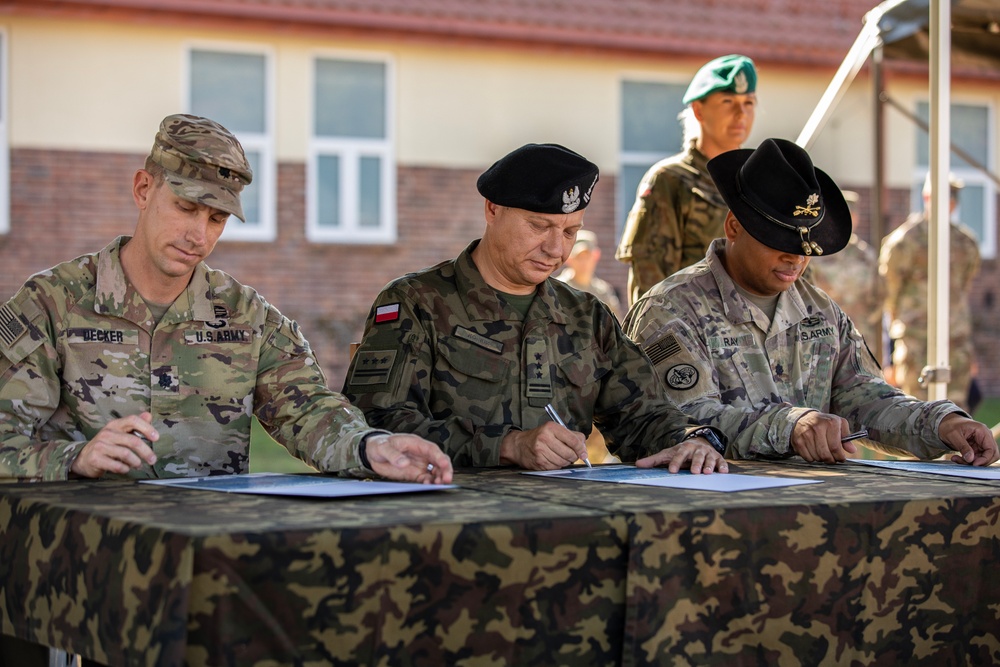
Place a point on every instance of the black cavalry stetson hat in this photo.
(782, 200)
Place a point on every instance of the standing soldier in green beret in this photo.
(141, 361)
(678, 210)
(903, 264)
(471, 352)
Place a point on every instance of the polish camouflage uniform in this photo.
(599, 287)
(445, 357)
(702, 335)
(677, 213)
(851, 279)
(903, 264)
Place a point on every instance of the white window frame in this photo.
(628, 158)
(265, 177)
(350, 151)
(4, 137)
(971, 175)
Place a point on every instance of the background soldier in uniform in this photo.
(852, 280)
(141, 361)
(748, 347)
(580, 267)
(903, 265)
(469, 353)
(678, 210)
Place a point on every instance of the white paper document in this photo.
(936, 468)
(283, 484)
(722, 482)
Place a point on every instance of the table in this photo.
(871, 566)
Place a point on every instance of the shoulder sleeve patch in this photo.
(12, 326)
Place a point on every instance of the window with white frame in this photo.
(233, 88)
(4, 141)
(650, 132)
(971, 131)
(351, 177)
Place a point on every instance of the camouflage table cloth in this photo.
(871, 567)
(133, 574)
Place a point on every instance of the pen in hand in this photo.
(551, 412)
(863, 433)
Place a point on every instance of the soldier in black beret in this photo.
(472, 353)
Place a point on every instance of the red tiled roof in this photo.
(796, 32)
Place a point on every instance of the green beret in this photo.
(543, 178)
(732, 73)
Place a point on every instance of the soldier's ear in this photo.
(142, 187)
(732, 227)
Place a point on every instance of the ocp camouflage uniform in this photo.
(903, 265)
(851, 278)
(706, 341)
(445, 357)
(677, 213)
(79, 348)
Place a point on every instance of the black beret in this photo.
(542, 178)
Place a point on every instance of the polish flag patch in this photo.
(387, 313)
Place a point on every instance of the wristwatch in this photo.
(709, 434)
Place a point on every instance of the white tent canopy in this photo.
(912, 30)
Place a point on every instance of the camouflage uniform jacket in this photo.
(445, 357)
(677, 213)
(79, 348)
(599, 287)
(700, 332)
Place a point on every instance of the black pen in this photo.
(551, 412)
(863, 433)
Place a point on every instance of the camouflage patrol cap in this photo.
(782, 200)
(542, 178)
(205, 163)
(733, 74)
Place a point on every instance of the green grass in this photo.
(988, 412)
(266, 455)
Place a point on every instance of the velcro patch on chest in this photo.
(478, 339)
(104, 336)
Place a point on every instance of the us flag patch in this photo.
(11, 327)
(387, 313)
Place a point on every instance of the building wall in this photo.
(84, 99)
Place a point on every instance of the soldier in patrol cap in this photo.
(141, 361)
(678, 210)
(469, 353)
(745, 345)
(580, 269)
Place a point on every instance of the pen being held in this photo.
(551, 412)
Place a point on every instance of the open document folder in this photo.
(724, 482)
(283, 484)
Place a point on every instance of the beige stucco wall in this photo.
(103, 86)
